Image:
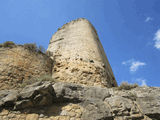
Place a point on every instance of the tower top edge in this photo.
(76, 21)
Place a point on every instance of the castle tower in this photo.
(79, 56)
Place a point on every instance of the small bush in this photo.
(8, 44)
(32, 47)
(41, 49)
(127, 86)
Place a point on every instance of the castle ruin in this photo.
(79, 56)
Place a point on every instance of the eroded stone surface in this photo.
(79, 56)
(18, 64)
(68, 101)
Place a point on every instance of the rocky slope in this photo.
(68, 101)
(19, 63)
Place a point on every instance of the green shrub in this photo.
(8, 44)
(127, 86)
(31, 46)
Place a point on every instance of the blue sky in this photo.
(128, 29)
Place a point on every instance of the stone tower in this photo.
(79, 56)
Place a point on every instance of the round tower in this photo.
(79, 56)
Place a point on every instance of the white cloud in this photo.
(133, 65)
(127, 62)
(148, 19)
(142, 81)
(157, 39)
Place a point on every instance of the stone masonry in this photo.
(79, 56)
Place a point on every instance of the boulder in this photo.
(86, 103)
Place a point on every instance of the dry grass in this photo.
(31, 47)
(127, 86)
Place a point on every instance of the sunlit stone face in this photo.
(79, 56)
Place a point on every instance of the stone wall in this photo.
(79, 56)
(18, 64)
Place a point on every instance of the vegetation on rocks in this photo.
(30, 46)
(33, 47)
(8, 44)
(127, 86)
(41, 49)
